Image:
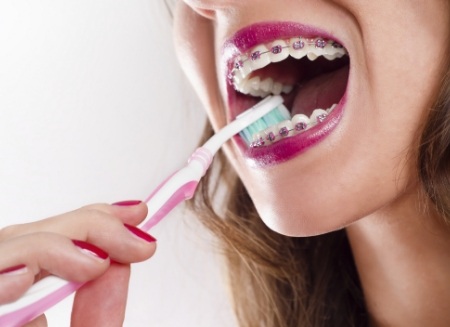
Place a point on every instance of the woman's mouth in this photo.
(309, 68)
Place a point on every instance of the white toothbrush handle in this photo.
(39, 297)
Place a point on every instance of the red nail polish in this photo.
(136, 231)
(91, 249)
(15, 270)
(127, 203)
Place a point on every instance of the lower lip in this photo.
(293, 146)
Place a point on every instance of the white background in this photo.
(93, 108)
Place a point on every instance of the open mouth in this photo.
(310, 72)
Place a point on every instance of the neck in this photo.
(403, 259)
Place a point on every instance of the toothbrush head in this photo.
(267, 109)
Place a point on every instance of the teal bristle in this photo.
(274, 117)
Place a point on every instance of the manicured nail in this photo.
(15, 270)
(91, 249)
(139, 233)
(127, 203)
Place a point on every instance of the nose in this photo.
(211, 4)
(209, 8)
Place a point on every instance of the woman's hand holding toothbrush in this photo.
(94, 243)
(52, 246)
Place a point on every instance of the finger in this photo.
(14, 281)
(125, 212)
(99, 225)
(130, 212)
(40, 321)
(72, 260)
(103, 299)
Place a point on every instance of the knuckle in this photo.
(94, 215)
(43, 237)
(97, 207)
(93, 219)
(9, 232)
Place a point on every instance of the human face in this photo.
(358, 160)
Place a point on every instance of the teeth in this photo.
(259, 58)
(246, 69)
(254, 83)
(318, 116)
(258, 93)
(298, 48)
(287, 89)
(262, 55)
(243, 87)
(330, 57)
(277, 88)
(270, 134)
(298, 124)
(284, 128)
(331, 108)
(278, 51)
(266, 85)
(237, 77)
(255, 87)
(312, 56)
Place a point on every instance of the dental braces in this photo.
(318, 43)
(284, 132)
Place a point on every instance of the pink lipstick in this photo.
(313, 78)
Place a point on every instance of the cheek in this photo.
(305, 200)
(194, 44)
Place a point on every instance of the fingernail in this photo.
(127, 203)
(15, 270)
(139, 233)
(91, 249)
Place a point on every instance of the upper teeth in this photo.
(265, 54)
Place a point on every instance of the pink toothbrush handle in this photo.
(183, 193)
(47, 292)
(178, 187)
(51, 290)
(40, 297)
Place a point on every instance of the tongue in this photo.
(321, 92)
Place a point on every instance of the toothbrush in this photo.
(177, 187)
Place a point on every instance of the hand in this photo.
(94, 244)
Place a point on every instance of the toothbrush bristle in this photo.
(277, 115)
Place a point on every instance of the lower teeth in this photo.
(296, 125)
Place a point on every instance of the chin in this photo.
(294, 224)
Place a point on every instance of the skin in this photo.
(402, 253)
(45, 247)
(362, 176)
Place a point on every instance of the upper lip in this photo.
(258, 33)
